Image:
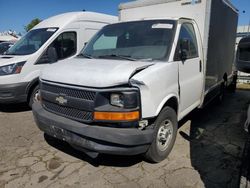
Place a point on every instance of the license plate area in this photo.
(59, 133)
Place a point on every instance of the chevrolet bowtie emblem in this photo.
(61, 100)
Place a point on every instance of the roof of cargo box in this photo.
(62, 20)
(142, 3)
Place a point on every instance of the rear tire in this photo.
(164, 135)
(33, 96)
(233, 86)
(222, 93)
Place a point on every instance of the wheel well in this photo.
(173, 103)
(30, 89)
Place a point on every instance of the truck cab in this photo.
(126, 91)
(57, 38)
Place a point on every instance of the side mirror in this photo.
(52, 55)
(183, 55)
(184, 48)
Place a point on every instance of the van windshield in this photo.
(31, 42)
(137, 40)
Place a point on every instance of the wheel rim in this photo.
(35, 96)
(164, 135)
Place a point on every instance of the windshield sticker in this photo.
(162, 26)
(51, 30)
(190, 2)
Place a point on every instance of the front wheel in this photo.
(164, 135)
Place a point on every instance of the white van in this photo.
(56, 38)
(137, 78)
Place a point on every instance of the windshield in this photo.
(31, 42)
(139, 40)
(5, 46)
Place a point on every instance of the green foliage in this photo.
(32, 24)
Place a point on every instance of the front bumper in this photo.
(93, 138)
(13, 93)
(247, 124)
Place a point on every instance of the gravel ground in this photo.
(208, 153)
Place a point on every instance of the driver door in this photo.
(190, 68)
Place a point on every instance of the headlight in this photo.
(124, 99)
(117, 100)
(12, 69)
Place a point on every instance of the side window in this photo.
(187, 35)
(62, 47)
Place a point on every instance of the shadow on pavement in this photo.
(102, 159)
(217, 140)
(13, 108)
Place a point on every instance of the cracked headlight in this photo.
(125, 99)
(12, 69)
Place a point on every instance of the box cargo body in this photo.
(217, 21)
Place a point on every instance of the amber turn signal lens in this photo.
(117, 116)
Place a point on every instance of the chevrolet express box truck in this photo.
(137, 78)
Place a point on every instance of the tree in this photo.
(32, 24)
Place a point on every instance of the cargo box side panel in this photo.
(221, 43)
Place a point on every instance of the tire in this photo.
(221, 95)
(32, 97)
(233, 86)
(163, 143)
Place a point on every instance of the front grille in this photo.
(72, 113)
(76, 93)
(80, 112)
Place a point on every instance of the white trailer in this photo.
(139, 77)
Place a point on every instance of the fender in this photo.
(164, 101)
(31, 84)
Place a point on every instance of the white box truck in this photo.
(56, 38)
(137, 78)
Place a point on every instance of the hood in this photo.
(10, 59)
(93, 72)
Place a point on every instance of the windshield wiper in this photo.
(118, 56)
(85, 56)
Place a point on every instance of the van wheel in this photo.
(164, 135)
(33, 96)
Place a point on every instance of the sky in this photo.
(15, 14)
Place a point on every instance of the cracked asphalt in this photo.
(208, 153)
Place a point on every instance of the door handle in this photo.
(200, 66)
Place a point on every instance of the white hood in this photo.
(93, 72)
(10, 59)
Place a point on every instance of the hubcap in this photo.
(36, 94)
(164, 135)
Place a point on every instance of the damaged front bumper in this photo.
(93, 138)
